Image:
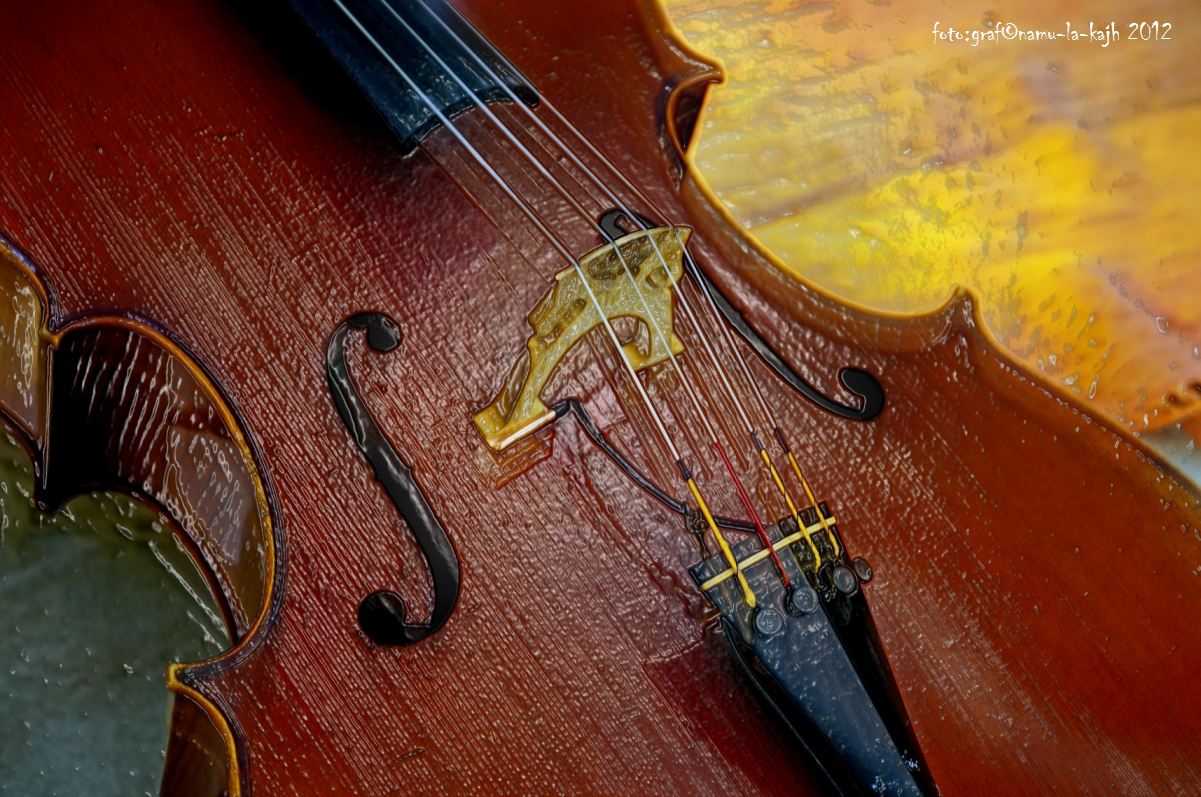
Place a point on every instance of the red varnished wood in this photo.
(1037, 570)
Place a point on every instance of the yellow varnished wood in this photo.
(1053, 180)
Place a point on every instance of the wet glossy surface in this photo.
(94, 601)
(250, 216)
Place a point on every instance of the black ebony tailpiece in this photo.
(812, 653)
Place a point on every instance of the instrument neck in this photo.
(371, 39)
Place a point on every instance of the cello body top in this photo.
(195, 199)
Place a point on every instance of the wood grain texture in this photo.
(1054, 179)
(1037, 570)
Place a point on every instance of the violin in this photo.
(516, 466)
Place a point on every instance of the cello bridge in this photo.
(566, 313)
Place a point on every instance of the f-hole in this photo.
(382, 614)
(857, 381)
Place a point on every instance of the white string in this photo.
(529, 212)
(503, 84)
(654, 326)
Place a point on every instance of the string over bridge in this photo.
(565, 314)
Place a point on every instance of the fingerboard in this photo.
(394, 49)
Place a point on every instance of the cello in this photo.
(516, 467)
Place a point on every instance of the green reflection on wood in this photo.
(94, 601)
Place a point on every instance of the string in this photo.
(783, 442)
(764, 457)
(681, 295)
(654, 327)
(532, 215)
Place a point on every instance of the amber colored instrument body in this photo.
(188, 191)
